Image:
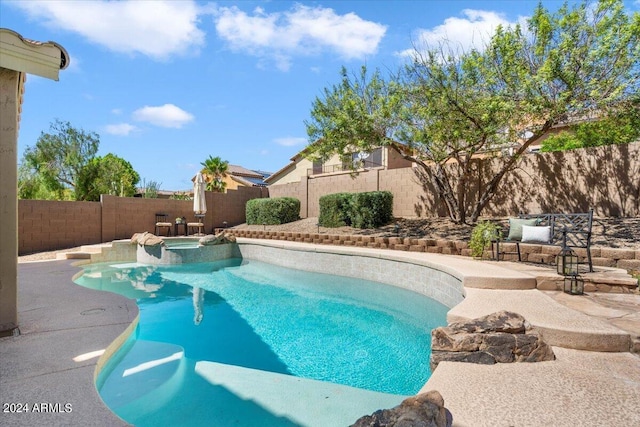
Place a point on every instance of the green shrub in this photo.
(361, 210)
(371, 209)
(334, 210)
(482, 235)
(272, 211)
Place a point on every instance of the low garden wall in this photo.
(628, 259)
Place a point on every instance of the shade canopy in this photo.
(199, 202)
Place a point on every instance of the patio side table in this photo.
(176, 227)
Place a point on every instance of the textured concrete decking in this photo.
(580, 388)
(60, 321)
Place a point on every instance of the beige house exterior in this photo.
(300, 166)
(18, 57)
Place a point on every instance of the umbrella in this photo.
(199, 202)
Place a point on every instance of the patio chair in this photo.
(198, 224)
(162, 221)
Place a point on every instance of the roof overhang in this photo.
(44, 59)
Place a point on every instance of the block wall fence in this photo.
(605, 178)
(49, 225)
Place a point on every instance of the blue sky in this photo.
(167, 83)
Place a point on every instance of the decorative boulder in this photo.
(424, 410)
(146, 239)
(218, 239)
(501, 337)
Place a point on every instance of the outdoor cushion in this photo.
(515, 227)
(536, 234)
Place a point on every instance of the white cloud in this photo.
(157, 29)
(120, 129)
(303, 30)
(290, 141)
(167, 115)
(116, 111)
(460, 34)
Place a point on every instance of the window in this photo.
(368, 160)
(317, 167)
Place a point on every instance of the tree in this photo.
(32, 186)
(60, 155)
(450, 108)
(215, 169)
(621, 127)
(106, 175)
(150, 189)
(63, 166)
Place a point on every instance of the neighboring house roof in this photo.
(249, 181)
(247, 177)
(236, 170)
(301, 154)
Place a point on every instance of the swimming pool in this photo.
(231, 342)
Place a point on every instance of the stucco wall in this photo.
(49, 225)
(11, 85)
(605, 178)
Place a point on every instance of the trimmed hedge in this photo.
(371, 209)
(361, 210)
(272, 211)
(334, 210)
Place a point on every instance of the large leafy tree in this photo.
(63, 166)
(622, 126)
(106, 175)
(450, 108)
(32, 186)
(215, 169)
(60, 155)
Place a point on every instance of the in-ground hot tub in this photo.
(184, 250)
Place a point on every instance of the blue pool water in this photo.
(222, 343)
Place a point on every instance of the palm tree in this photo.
(215, 169)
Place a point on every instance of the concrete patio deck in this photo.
(61, 321)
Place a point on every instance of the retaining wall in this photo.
(627, 259)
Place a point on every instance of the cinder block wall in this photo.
(344, 183)
(49, 225)
(605, 178)
(229, 207)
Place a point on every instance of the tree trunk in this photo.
(489, 191)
